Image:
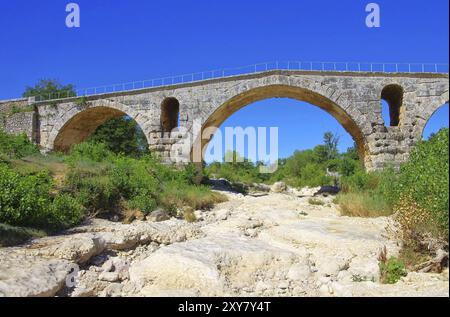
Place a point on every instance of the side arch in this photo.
(79, 123)
(434, 105)
(234, 104)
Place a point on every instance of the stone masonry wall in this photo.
(17, 117)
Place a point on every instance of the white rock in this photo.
(158, 216)
(299, 272)
(109, 277)
(199, 215)
(77, 248)
(30, 276)
(306, 191)
(222, 214)
(278, 187)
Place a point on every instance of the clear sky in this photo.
(123, 40)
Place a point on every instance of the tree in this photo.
(122, 135)
(331, 142)
(352, 152)
(49, 89)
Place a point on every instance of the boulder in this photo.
(261, 187)
(30, 276)
(278, 187)
(306, 191)
(109, 277)
(78, 248)
(222, 214)
(158, 215)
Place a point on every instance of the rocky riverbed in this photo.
(270, 244)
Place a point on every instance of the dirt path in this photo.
(273, 245)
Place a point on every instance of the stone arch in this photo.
(235, 103)
(79, 123)
(431, 110)
(393, 95)
(170, 112)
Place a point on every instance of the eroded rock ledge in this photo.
(275, 244)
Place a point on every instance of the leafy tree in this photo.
(352, 152)
(50, 89)
(122, 135)
(331, 142)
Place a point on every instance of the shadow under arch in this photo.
(239, 101)
(84, 123)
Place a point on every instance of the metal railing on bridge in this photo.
(363, 67)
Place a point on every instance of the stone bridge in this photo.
(353, 98)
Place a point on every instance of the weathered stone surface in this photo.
(78, 248)
(24, 275)
(196, 266)
(275, 245)
(158, 215)
(278, 187)
(354, 99)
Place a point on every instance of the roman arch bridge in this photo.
(352, 97)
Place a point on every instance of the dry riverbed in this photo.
(270, 245)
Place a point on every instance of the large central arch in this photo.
(234, 104)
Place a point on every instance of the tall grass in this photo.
(363, 204)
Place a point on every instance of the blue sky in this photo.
(123, 40)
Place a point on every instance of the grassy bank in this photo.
(45, 194)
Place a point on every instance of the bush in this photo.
(89, 151)
(422, 188)
(143, 202)
(26, 201)
(93, 186)
(16, 146)
(109, 182)
(65, 211)
(392, 271)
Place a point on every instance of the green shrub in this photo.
(89, 151)
(65, 211)
(392, 271)
(423, 183)
(94, 189)
(16, 146)
(104, 183)
(143, 202)
(26, 201)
